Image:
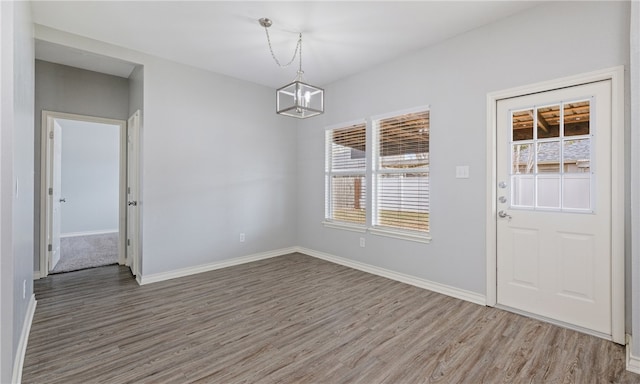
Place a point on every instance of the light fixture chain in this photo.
(295, 52)
(300, 71)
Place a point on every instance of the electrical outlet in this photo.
(362, 242)
(242, 237)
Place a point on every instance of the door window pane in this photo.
(548, 121)
(548, 191)
(577, 118)
(577, 156)
(522, 192)
(522, 158)
(522, 125)
(577, 191)
(549, 157)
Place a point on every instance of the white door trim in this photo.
(132, 145)
(616, 75)
(47, 117)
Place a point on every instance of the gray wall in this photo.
(16, 181)
(90, 176)
(136, 90)
(215, 162)
(454, 78)
(60, 88)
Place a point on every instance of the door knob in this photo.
(504, 214)
(132, 203)
(63, 200)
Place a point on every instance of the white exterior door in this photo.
(554, 205)
(133, 134)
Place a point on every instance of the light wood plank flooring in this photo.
(293, 319)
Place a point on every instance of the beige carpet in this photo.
(81, 252)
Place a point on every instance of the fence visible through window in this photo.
(551, 157)
(402, 172)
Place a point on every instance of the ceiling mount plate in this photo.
(265, 22)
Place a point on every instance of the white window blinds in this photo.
(345, 174)
(401, 172)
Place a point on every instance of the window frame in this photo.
(371, 172)
(329, 221)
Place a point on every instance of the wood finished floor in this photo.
(293, 319)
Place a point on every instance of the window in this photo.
(402, 172)
(383, 189)
(551, 157)
(345, 174)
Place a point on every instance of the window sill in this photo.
(404, 235)
(381, 231)
(345, 226)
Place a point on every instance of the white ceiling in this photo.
(340, 38)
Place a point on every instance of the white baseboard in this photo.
(412, 280)
(633, 362)
(22, 344)
(156, 277)
(36, 275)
(401, 277)
(88, 233)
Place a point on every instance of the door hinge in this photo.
(51, 135)
(51, 191)
(128, 242)
(50, 247)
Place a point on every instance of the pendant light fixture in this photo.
(296, 99)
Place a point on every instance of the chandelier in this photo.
(296, 99)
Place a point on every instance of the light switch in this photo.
(462, 172)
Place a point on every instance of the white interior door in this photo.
(133, 134)
(554, 205)
(55, 138)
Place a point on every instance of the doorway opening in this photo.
(83, 192)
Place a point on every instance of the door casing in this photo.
(44, 205)
(55, 180)
(133, 259)
(616, 75)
